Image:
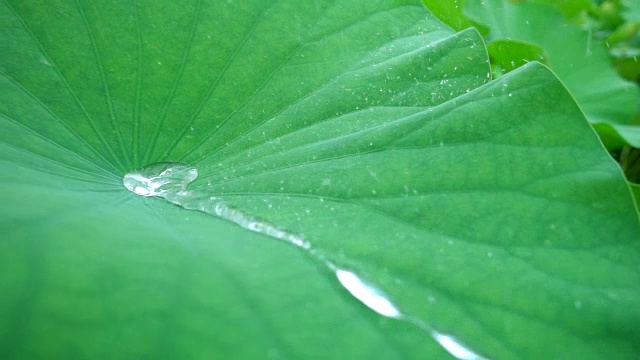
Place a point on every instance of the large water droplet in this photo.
(169, 180)
(157, 179)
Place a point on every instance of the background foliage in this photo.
(593, 48)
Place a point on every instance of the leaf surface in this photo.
(367, 127)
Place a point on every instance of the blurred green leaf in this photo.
(571, 9)
(580, 62)
(508, 55)
(612, 136)
(451, 13)
(630, 162)
(635, 189)
(631, 10)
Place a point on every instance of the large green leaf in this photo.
(365, 127)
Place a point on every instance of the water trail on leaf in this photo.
(169, 180)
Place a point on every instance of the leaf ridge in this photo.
(299, 101)
(138, 96)
(87, 117)
(214, 85)
(176, 81)
(63, 123)
(108, 180)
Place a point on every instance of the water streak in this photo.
(373, 298)
(170, 181)
(454, 347)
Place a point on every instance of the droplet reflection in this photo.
(454, 347)
(373, 298)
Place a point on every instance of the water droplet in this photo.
(454, 347)
(373, 298)
(157, 179)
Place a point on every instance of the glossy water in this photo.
(170, 181)
(160, 179)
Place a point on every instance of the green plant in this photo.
(484, 210)
(586, 37)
